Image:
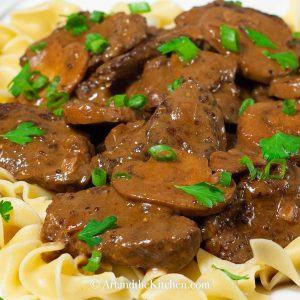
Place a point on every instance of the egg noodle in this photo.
(25, 275)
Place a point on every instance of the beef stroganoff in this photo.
(147, 155)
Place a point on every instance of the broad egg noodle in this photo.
(24, 274)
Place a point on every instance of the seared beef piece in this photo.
(263, 120)
(189, 120)
(213, 71)
(128, 65)
(286, 87)
(230, 161)
(57, 160)
(266, 209)
(65, 54)
(154, 182)
(79, 112)
(253, 64)
(147, 236)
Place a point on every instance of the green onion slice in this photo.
(97, 16)
(289, 107)
(5, 209)
(94, 262)
(177, 83)
(137, 101)
(231, 275)
(225, 179)
(246, 161)
(37, 48)
(76, 23)
(260, 39)
(139, 7)
(162, 153)
(95, 43)
(245, 104)
(99, 177)
(230, 38)
(285, 59)
(277, 162)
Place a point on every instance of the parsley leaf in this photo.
(94, 262)
(5, 208)
(37, 48)
(285, 59)
(280, 145)
(260, 39)
(90, 233)
(22, 134)
(206, 194)
(245, 104)
(225, 179)
(76, 23)
(175, 85)
(231, 275)
(289, 107)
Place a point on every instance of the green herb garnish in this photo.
(182, 46)
(122, 175)
(162, 153)
(23, 133)
(175, 85)
(94, 262)
(246, 161)
(95, 43)
(90, 233)
(225, 179)
(230, 275)
(260, 39)
(230, 38)
(76, 23)
(236, 3)
(280, 145)
(274, 162)
(245, 104)
(118, 100)
(285, 59)
(99, 177)
(296, 35)
(37, 48)
(137, 101)
(289, 107)
(97, 16)
(139, 8)
(5, 209)
(206, 194)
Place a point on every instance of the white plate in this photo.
(278, 7)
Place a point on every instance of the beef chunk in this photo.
(253, 64)
(188, 120)
(58, 160)
(266, 209)
(285, 87)
(154, 182)
(78, 112)
(263, 120)
(147, 236)
(213, 71)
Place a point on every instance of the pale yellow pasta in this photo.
(293, 15)
(6, 34)
(162, 14)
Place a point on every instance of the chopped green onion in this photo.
(236, 3)
(94, 262)
(289, 107)
(139, 7)
(231, 275)
(245, 104)
(182, 46)
(118, 100)
(37, 48)
(90, 233)
(246, 161)
(162, 153)
(40, 82)
(5, 209)
(59, 112)
(285, 59)
(225, 179)
(23, 133)
(296, 35)
(95, 43)
(97, 16)
(122, 175)
(76, 23)
(280, 145)
(175, 85)
(260, 39)
(99, 177)
(230, 38)
(206, 194)
(137, 101)
(279, 162)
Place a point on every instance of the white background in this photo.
(278, 7)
